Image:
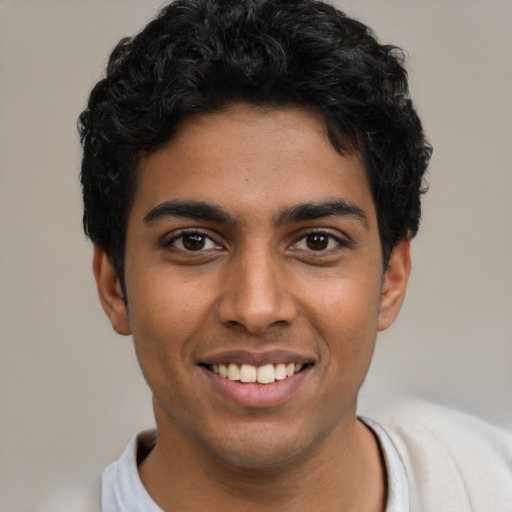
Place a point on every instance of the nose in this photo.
(255, 293)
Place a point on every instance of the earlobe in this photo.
(395, 284)
(110, 292)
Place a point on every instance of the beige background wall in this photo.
(71, 394)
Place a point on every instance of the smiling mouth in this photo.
(250, 374)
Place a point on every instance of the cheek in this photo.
(168, 304)
(345, 315)
(162, 323)
(345, 305)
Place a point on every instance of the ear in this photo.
(395, 284)
(110, 292)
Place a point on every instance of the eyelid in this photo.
(170, 238)
(334, 234)
(340, 240)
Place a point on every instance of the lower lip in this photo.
(257, 395)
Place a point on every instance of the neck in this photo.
(343, 471)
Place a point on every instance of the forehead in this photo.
(253, 160)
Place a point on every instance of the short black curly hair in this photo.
(199, 56)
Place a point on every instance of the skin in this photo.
(262, 280)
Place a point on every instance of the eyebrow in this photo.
(319, 210)
(198, 210)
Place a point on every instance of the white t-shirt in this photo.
(122, 489)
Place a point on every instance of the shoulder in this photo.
(453, 461)
(118, 485)
(122, 489)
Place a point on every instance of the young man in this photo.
(252, 176)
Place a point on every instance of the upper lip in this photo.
(257, 358)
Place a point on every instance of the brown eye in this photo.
(193, 242)
(317, 241)
(320, 242)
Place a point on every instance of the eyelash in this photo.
(329, 238)
(340, 243)
(190, 233)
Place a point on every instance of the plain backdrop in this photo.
(71, 393)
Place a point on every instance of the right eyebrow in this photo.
(198, 210)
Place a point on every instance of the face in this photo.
(254, 284)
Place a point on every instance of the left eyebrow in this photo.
(319, 210)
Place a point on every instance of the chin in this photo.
(261, 449)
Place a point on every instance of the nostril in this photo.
(236, 325)
(256, 317)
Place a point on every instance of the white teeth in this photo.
(223, 370)
(280, 371)
(233, 372)
(266, 374)
(248, 373)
